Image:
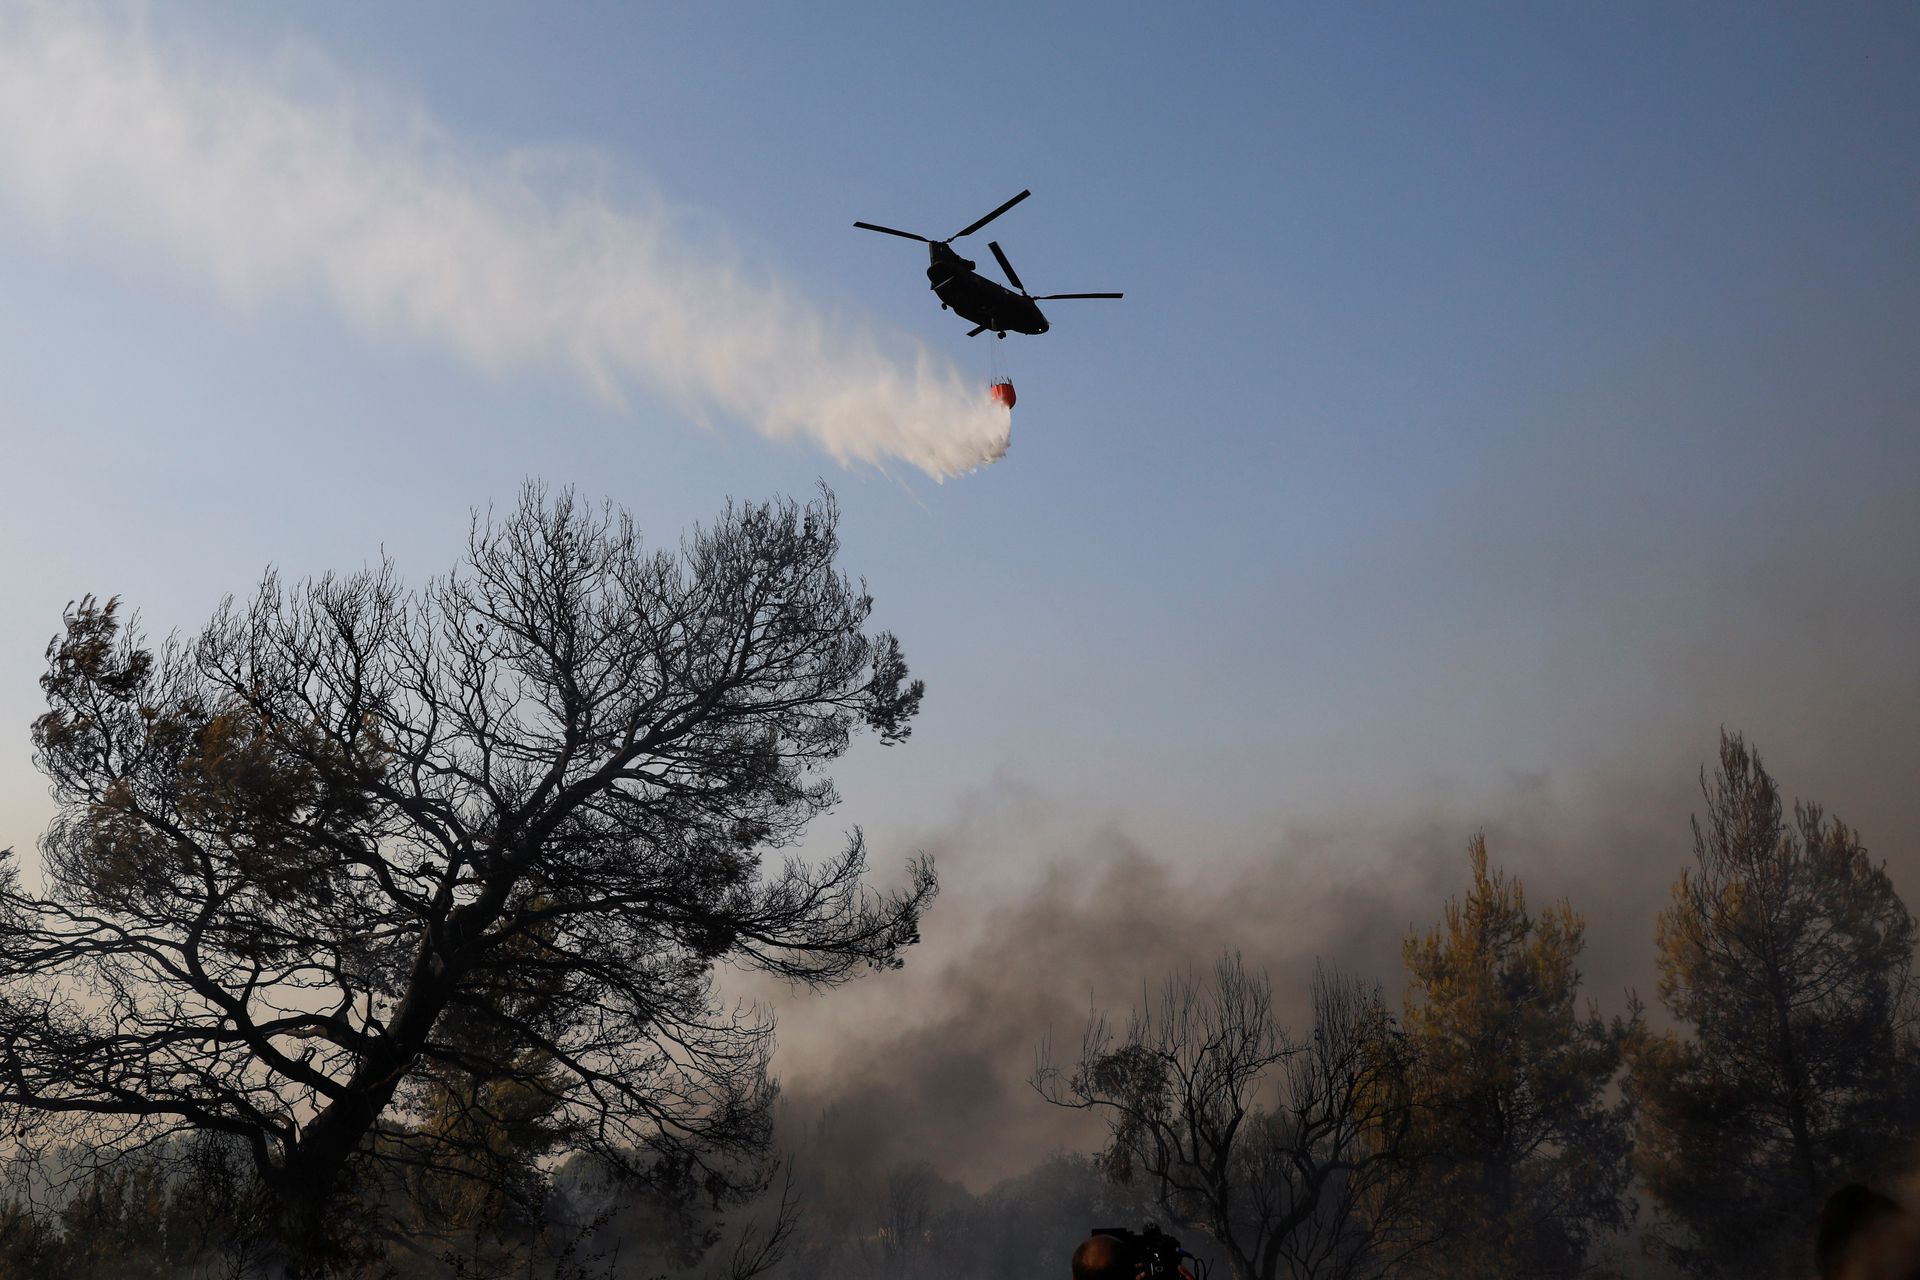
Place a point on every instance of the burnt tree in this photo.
(1290, 1155)
(378, 882)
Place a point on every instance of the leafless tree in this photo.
(1287, 1154)
(379, 882)
(1333, 1170)
(899, 1246)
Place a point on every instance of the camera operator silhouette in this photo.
(1115, 1253)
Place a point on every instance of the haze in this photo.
(1503, 401)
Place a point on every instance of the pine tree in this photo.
(458, 864)
(1786, 958)
(1526, 1159)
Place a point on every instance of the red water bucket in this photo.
(1002, 392)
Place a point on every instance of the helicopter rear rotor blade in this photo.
(904, 235)
(1049, 297)
(990, 217)
(1006, 266)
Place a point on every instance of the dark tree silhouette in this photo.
(1338, 1144)
(1786, 958)
(378, 882)
(1286, 1154)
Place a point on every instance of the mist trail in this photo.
(295, 180)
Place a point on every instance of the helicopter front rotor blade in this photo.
(990, 217)
(1049, 297)
(904, 235)
(1006, 266)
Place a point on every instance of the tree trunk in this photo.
(1796, 1094)
(309, 1179)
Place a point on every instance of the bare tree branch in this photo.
(367, 878)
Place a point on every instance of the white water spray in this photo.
(296, 180)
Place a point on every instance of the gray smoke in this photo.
(931, 1063)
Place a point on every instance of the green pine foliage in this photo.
(1525, 1150)
(1786, 961)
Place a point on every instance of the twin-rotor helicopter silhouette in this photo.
(987, 303)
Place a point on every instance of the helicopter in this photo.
(989, 304)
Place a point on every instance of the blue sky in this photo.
(1502, 393)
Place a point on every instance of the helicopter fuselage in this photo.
(962, 289)
(973, 297)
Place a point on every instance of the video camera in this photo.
(1146, 1254)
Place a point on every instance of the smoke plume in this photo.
(1045, 915)
(294, 180)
